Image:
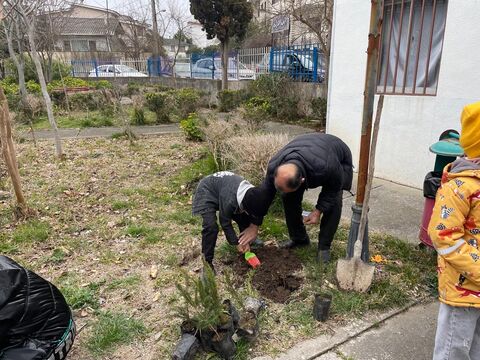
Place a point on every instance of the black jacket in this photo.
(218, 192)
(323, 159)
(30, 306)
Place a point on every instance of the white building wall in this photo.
(410, 124)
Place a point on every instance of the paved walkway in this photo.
(103, 132)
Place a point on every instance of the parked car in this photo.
(209, 68)
(298, 64)
(112, 70)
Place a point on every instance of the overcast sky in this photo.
(141, 8)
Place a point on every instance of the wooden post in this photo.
(8, 152)
(368, 96)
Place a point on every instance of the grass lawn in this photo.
(111, 215)
(79, 119)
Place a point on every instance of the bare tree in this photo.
(316, 16)
(179, 16)
(136, 33)
(9, 154)
(26, 16)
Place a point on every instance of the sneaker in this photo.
(289, 244)
(323, 256)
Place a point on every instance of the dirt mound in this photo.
(275, 279)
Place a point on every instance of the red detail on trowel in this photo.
(252, 259)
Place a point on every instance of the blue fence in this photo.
(300, 62)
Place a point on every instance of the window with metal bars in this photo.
(411, 46)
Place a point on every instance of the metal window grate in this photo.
(411, 46)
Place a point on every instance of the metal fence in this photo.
(300, 62)
(121, 68)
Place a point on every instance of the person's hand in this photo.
(313, 218)
(243, 248)
(248, 235)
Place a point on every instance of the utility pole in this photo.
(156, 45)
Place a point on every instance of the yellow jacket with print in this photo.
(455, 231)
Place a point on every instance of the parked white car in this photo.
(209, 68)
(115, 71)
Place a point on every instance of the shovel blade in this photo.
(354, 274)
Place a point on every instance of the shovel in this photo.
(353, 273)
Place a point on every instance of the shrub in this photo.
(12, 93)
(86, 101)
(257, 110)
(186, 101)
(101, 84)
(30, 108)
(249, 155)
(138, 116)
(33, 87)
(132, 88)
(231, 99)
(96, 121)
(191, 127)
(275, 88)
(319, 109)
(69, 82)
(158, 103)
(216, 132)
(285, 108)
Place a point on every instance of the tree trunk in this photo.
(8, 151)
(225, 65)
(19, 64)
(43, 85)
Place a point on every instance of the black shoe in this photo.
(289, 244)
(323, 257)
(257, 243)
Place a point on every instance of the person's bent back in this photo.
(35, 320)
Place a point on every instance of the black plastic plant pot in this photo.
(223, 344)
(186, 348)
(248, 326)
(187, 327)
(321, 306)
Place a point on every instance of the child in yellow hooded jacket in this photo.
(455, 231)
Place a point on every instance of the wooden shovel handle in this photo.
(368, 187)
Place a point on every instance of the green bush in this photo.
(69, 82)
(87, 101)
(257, 110)
(33, 87)
(58, 69)
(275, 88)
(12, 93)
(231, 99)
(159, 104)
(101, 84)
(186, 101)
(319, 109)
(285, 108)
(132, 88)
(138, 116)
(191, 127)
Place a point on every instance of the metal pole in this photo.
(368, 102)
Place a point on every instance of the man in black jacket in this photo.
(235, 199)
(307, 162)
(35, 320)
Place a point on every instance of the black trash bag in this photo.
(206, 337)
(248, 327)
(186, 348)
(232, 311)
(223, 344)
(431, 184)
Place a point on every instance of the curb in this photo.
(316, 347)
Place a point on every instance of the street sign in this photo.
(280, 23)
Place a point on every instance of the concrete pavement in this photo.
(102, 132)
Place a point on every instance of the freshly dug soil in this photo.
(274, 279)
